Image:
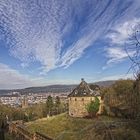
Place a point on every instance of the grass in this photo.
(53, 126)
(63, 127)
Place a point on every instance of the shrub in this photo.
(93, 107)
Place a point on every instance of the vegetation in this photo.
(93, 107)
(137, 95)
(121, 98)
(63, 127)
(134, 46)
(120, 93)
(42, 89)
(55, 125)
(35, 111)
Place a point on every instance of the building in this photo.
(10, 99)
(25, 102)
(80, 97)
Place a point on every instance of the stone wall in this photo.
(77, 106)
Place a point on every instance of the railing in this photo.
(21, 133)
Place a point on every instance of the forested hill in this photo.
(105, 83)
(53, 88)
(42, 89)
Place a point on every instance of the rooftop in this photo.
(83, 89)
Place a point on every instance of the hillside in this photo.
(63, 127)
(57, 125)
(53, 88)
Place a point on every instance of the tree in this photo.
(3, 126)
(49, 104)
(93, 107)
(124, 92)
(123, 86)
(57, 101)
(133, 52)
(136, 102)
(57, 104)
(121, 99)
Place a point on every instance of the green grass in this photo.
(53, 126)
(63, 127)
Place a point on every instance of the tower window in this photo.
(82, 99)
(75, 99)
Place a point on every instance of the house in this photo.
(80, 97)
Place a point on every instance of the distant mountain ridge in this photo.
(54, 88)
(105, 83)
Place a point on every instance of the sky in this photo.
(44, 42)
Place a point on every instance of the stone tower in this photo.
(80, 97)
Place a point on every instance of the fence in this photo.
(19, 132)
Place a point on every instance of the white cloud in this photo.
(115, 55)
(123, 31)
(11, 79)
(36, 31)
(120, 37)
(24, 65)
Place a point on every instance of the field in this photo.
(63, 127)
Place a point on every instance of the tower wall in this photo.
(77, 106)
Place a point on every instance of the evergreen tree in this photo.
(57, 104)
(49, 104)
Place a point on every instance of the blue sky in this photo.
(45, 42)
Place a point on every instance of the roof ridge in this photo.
(83, 89)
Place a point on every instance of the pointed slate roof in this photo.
(83, 89)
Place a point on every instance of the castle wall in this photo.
(77, 106)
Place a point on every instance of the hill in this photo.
(53, 88)
(105, 83)
(55, 126)
(42, 89)
(63, 127)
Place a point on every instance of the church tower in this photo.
(25, 102)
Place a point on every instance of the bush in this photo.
(93, 107)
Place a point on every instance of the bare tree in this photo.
(133, 51)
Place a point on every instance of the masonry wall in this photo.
(77, 106)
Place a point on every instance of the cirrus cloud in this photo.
(57, 33)
(121, 36)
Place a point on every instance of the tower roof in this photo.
(83, 89)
